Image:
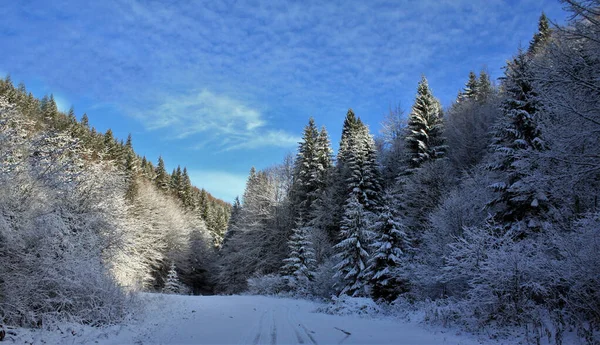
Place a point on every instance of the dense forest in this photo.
(487, 209)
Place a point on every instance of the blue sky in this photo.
(220, 86)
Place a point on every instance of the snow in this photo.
(177, 319)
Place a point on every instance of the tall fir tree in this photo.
(425, 126)
(300, 262)
(540, 38)
(516, 136)
(305, 182)
(471, 88)
(352, 250)
(162, 178)
(185, 191)
(485, 88)
(388, 249)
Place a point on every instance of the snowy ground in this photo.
(172, 319)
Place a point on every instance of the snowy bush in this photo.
(346, 305)
(270, 284)
(324, 282)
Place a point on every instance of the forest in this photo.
(487, 210)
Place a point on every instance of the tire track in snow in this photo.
(260, 326)
(306, 330)
(291, 323)
(273, 330)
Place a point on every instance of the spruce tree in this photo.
(301, 262)
(351, 124)
(516, 136)
(172, 285)
(541, 38)
(484, 86)
(162, 178)
(352, 250)
(425, 125)
(471, 88)
(85, 123)
(49, 108)
(305, 182)
(185, 192)
(175, 182)
(388, 250)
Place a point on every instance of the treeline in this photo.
(490, 207)
(84, 219)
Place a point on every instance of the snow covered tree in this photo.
(306, 172)
(172, 285)
(516, 137)
(300, 263)
(162, 177)
(388, 250)
(351, 124)
(425, 125)
(352, 250)
(541, 38)
(471, 88)
(485, 89)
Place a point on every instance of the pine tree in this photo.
(352, 249)
(515, 137)
(172, 286)
(471, 88)
(185, 192)
(388, 249)
(485, 89)
(162, 178)
(425, 124)
(301, 261)
(541, 38)
(85, 123)
(306, 168)
(175, 182)
(71, 116)
(351, 124)
(49, 108)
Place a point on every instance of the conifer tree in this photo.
(471, 88)
(305, 183)
(324, 157)
(351, 124)
(71, 116)
(185, 192)
(301, 262)
(85, 123)
(388, 250)
(541, 38)
(515, 136)
(175, 182)
(425, 125)
(172, 285)
(49, 108)
(128, 143)
(162, 178)
(352, 250)
(484, 86)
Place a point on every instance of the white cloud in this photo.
(221, 184)
(224, 122)
(276, 138)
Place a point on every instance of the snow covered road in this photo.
(266, 320)
(244, 320)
